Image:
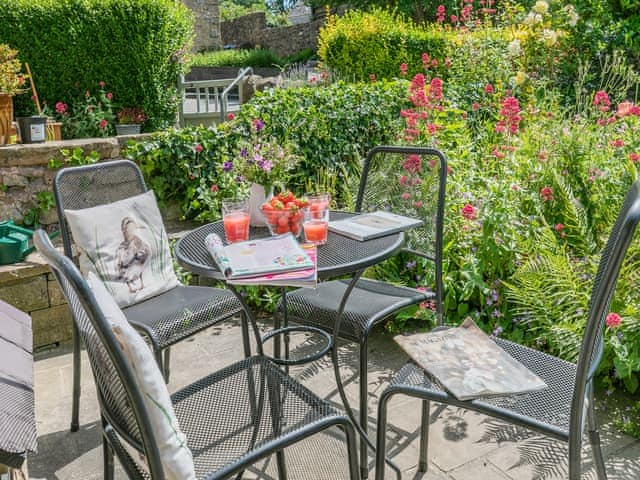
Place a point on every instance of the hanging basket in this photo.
(6, 117)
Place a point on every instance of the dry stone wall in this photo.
(207, 24)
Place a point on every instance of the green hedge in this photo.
(332, 128)
(134, 46)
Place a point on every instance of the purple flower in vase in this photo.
(266, 165)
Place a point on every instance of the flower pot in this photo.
(33, 129)
(127, 129)
(6, 117)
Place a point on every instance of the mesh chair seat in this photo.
(229, 414)
(548, 409)
(181, 312)
(369, 303)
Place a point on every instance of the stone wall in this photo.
(24, 171)
(207, 24)
(251, 30)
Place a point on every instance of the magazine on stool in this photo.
(468, 363)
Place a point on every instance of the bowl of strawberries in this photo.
(284, 213)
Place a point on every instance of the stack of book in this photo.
(278, 261)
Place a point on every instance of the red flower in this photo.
(413, 164)
(488, 88)
(101, 83)
(440, 13)
(613, 320)
(230, 116)
(61, 107)
(468, 212)
(475, 106)
(454, 19)
(617, 143)
(406, 196)
(634, 157)
(546, 193)
(214, 188)
(601, 98)
(110, 96)
(497, 153)
(198, 148)
(103, 124)
(559, 227)
(435, 89)
(510, 116)
(403, 69)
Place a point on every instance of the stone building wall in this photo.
(207, 24)
(251, 30)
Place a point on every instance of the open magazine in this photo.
(468, 363)
(376, 224)
(255, 258)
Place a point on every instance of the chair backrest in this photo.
(92, 185)
(410, 181)
(604, 286)
(121, 401)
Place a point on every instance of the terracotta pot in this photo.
(6, 117)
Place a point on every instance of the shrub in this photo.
(135, 46)
(248, 58)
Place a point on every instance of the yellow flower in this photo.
(549, 37)
(520, 78)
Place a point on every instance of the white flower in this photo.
(549, 37)
(520, 78)
(541, 7)
(572, 15)
(532, 18)
(514, 48)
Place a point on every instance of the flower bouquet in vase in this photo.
(262, 162)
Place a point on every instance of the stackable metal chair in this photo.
(231, 418)
(561, 409)
(391, 177)
(161, 318)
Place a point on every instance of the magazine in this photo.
(258, 257)
(299, 278)
(373, 225)
(468, 363)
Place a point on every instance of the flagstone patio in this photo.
(463, 445)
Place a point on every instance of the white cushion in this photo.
(177, 461)
(125, 244)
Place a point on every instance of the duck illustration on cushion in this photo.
(132, 255)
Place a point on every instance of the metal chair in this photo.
(231, 418)
(559, 410)
(391, 178)
(162, 318)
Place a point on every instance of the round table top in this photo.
(339, 256)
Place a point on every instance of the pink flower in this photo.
(425, 59)
(440, 13)
(230, 116)
(475, 106)
(497, 153)
(403, 69)
(417, 204)
(61, 107)
(468, 212)
(103, 124)
(110, 96)
(198, 148)
(435, 89)
(101, 83)
(509, 116)
(613, 320)
(454, 19)
(546, 193)
(214, 188)
(617, 143)
(488, 88)
(601, 98)
(406, 196)
(634, 157)
(413, 164)
(559, 227)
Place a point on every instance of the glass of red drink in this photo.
(235, 216)
(317, 219)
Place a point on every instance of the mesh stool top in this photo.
(339, 256)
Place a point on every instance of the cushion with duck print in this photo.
(175, 455)
(125, 244)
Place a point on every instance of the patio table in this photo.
(17, 409)
(338, 257)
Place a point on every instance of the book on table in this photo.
(468, 363)
(265, 261)
(367, 226)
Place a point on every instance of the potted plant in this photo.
(11, 82)
(130, 120)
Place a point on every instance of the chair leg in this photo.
(167, 364)
(352, 451)
(107, 457)
(364, 418)
(75, 401)
(424, 437)
(381, 438)
(282, 466)
(246, 343)
(594, 438)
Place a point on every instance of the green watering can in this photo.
(14, 242)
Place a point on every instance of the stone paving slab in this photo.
(458, 445)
